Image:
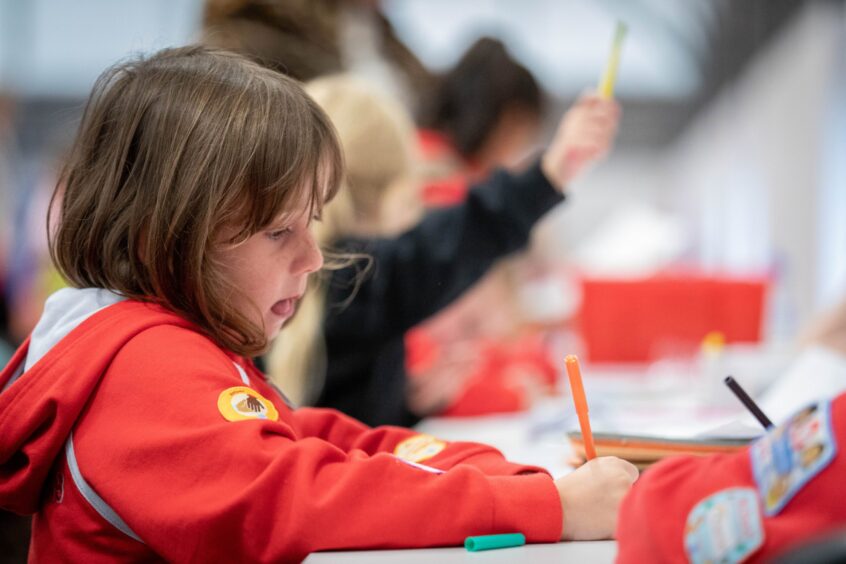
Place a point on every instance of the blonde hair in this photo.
(172, 149)
(377, 137)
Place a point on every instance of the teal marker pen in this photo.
(487, 542)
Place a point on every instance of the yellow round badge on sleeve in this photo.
(242, 403)
(419, 447)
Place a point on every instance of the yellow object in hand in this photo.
(609, 77)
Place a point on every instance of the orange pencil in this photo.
(579, 399)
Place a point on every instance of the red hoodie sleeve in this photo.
(349, 434)
(787, 487)
(156, 445)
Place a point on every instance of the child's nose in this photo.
(310, 258)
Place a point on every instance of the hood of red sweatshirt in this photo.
(43, 395)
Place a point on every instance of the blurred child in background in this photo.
(360, 347)
(484, 113)
(479, 356)
(379, 199)
(306, 39)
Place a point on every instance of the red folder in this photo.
(641, 320)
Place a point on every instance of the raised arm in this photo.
(421, 271)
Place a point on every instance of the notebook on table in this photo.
(643, 450)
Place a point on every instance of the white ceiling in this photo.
(57, 47)
(566, 42)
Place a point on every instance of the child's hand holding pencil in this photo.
(585, 135)
(591, 497)
(591, 494)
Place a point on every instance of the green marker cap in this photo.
(487, 542)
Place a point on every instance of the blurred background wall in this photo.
(733, 126)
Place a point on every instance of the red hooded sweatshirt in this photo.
(131, 436)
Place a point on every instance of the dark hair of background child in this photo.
(471, 98)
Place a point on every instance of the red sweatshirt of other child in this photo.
(786, 488)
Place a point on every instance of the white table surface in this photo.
(596, 552)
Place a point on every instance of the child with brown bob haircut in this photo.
(133, 424)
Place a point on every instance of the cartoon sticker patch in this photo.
(419, 447)
(785, 459)
(242, 403)
(724, 527)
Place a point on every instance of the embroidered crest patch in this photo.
(724, 527)
(786, 458)
(419, 447)
(242, 403)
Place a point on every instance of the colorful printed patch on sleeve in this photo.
(724, 527)
(787, 458)
(419, 447)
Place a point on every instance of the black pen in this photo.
(748, 402)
